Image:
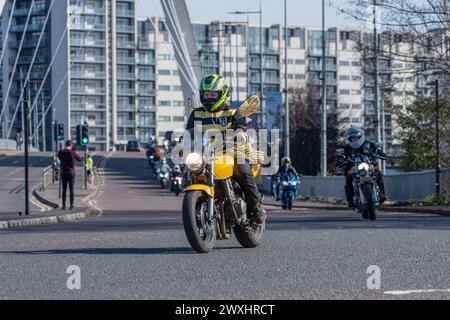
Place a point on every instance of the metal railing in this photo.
(45, 180)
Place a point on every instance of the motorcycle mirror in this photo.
(250, 106)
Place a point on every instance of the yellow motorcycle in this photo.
(214, 205)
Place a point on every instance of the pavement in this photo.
(136, 249)
(44, 204)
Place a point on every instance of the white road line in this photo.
(407, 292)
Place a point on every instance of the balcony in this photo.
(28, 44)
(126, 107)
(126, 91)
(266, 65)
(89, 42)
(96, 10)
(318, 67)
(33, 76)
(88, 74)
(96, 123)
(88, 107)
(151, 108)
(30, 28)
(146, 92)
(28, 59)
(266, 80)
(125, 13)
(146, 61)
(87, 26)
(146, 76)
(126, 76)
(369, 97)
(147, 124)
(145, 45)
(126, 123)
(128, 137)
(126, 60)
(125, 29)
(88, 58)
(36, 11)
(125, 44)
(88, 91)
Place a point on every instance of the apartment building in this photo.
(234, 50)
(102, 71)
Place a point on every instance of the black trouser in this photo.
(350, 193)
(245, 179)
(68, 177)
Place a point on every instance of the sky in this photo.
(300, 12)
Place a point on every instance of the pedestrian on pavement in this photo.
(67, 158)
(19, 140)
(90, 171)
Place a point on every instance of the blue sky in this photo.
(300, 12)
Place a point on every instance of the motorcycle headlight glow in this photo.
(364, 166)
(194, 162)
(293, 184)
(285, 183)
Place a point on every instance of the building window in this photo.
(164, 103)
(164, 118)
(163, 72)
(164, 88)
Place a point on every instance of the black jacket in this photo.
(371, 149)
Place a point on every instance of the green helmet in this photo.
(214, 83)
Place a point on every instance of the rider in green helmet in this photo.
(216, 114)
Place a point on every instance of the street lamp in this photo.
(259, 12)
(435, 83)
(323, 148)
(388, 90)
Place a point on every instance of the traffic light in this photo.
(83, 135)
(60, 132)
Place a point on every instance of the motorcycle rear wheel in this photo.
(250, 239)
(200, 233)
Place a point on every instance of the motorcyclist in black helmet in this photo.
(356, 143)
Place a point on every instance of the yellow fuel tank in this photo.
(223, 167)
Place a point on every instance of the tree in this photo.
(418, 133)
(425, 25)
(305, 130)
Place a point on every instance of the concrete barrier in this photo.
(413, 186)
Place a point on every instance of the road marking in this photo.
(407, 292)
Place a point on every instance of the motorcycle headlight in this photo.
(294, 184)
(194, 162)
(285, 183)
(363, 166)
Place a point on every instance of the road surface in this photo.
(136, 249)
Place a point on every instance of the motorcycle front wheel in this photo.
(200, 232)
(290, 201)
(370, 203)
(250, 238)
